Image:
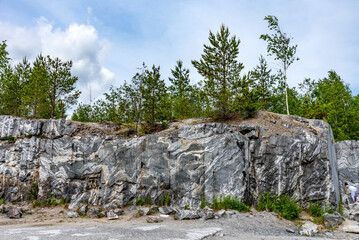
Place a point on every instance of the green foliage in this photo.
(10, 139)
(50, 202)
(139, 201)
(283, 204)
(36, 203)
(167, 200)
(220, 69)
(34, 190)
(1, 201)
(203, 202)
(186, 207)
(279, 46)
(341, 208)
(229, 202)
(315, 210)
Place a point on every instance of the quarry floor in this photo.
(53, 223)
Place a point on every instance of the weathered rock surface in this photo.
(186, 215)
(13, 212)
(308, 229)
(111, 215)
(154, 219)
(72, 214)
(87, 162)
(332, 220)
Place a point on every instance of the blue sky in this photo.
(109, 40)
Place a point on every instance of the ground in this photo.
(53, 223)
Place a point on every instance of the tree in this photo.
(220, 69)
(4, 59)
(279, 46)
(263, 80)
(61, 85)
(180, 90)
(153, 92)
(35, 96)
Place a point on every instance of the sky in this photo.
(109, 40)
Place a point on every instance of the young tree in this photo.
(220, 69)
(153, 93)
(61, 87)
(279, 46)
(263, 81)
(35, 96)
(180, 90)
(4, 59)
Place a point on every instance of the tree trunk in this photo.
(285, 81)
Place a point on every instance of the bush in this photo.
(229, 202)
(203, 203)
(315, 210)
(285, 205)
(139, 202)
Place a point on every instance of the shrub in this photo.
(1, 201)
(167, 200)
(186, 207)
(34, 190)
(203, 202)
(285, 205)
(139, 202)
(229, 202)
(315, 210)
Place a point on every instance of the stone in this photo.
(220, 213)
(153, 209)
(166, 210)
(119, 211)
(142, 211)
(332, 220)
(111, 215)
(308, 229)
(13, 212)
(94, 212)
(186, 215)
(290, 230)
(154, 219)
(132, 208)
(350, 226)
(72, 214)
(83, 210)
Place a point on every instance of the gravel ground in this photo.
(52, 223)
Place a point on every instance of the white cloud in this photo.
(79, 43)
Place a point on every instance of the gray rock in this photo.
(154, 219)
(119, 211)
(13, 212)
(142, 211)
(94, 212)
(220, 213)
(132, 208)
(72, 214)
(355, 216)
(186, 215)
(166, 210)
(83, 210)
(290, 230)
(153, 209)
(332, 220)
(308, 229)
(350, 226)
(111, 215)
(205, 213)
(86, 162)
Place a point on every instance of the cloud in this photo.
(78, 42)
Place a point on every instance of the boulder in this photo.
(72, 214)
(154, 219)
(119, 211)
(308, 229)
(142, 211)
(111, 215)
(153, 209)
(350, 226)
(94, 212)
(13, 212)
(332, 220)
(83, 210)
(186, 215)
(166, 210)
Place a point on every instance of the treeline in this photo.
(225, 91)
(43, 89)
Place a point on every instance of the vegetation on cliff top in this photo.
(46, 88)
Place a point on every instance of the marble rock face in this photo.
(87, 162)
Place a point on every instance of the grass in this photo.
(203, 202)
(1, 201)
(288, 207)
(315, 210)
(229, 202)
(50, 202)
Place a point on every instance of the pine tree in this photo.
(180, 91)
(61, 85)
(220, 69)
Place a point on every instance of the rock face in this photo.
(93, 163)
(348, 162)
